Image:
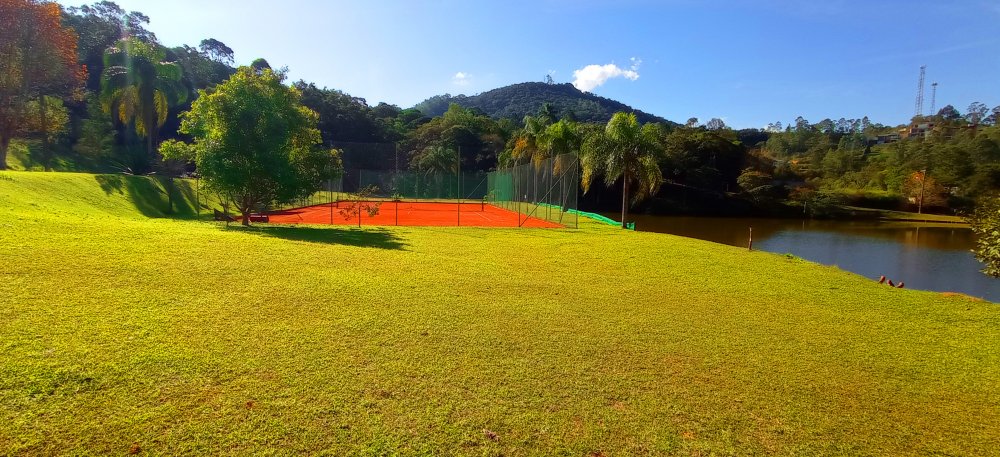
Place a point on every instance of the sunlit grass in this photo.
(905, 216)
(123, 330)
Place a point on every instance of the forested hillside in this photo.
(519, 100)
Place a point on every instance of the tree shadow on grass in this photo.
(370, 238)
(155, 197)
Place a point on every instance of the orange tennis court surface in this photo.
(436, 214)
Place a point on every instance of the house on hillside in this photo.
(917, 129)
(884, 139)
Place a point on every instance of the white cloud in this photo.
(461, 79)
(593, 76)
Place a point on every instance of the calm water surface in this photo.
(925, 256)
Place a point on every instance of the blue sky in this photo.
(748, 62)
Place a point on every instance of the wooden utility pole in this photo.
(920, 203)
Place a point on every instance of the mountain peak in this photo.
(518, 100)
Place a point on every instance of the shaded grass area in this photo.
(121, 331)
(373, 237)
(85, 196)
(26, 155)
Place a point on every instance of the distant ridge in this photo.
(518, 100)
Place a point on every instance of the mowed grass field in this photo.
(125, 331)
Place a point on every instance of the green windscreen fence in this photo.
(545, 189)
(416, 185)
(332, 191)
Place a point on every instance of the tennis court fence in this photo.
(546, 189)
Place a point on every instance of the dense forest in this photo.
(519, 100)
(118, 92)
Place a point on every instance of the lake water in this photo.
(934, 257)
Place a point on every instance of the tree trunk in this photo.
(44, 124)
(624, 199)
(149, 148)
(170, 194)
(246, 216)
(4, 143)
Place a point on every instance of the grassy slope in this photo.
(117, 330)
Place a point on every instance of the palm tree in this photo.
(436, 162)
(526, 145)
(139, 87)
(563, 137)
(628, 151)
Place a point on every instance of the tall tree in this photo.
(563, 137)
(254, 142)
(437, 159)
(628, 151)
(48, 118)
(715, 124)
(259, 65)
(99, 27)
(140, 88)
(976, 113)
(200, 71)
(37, 58)
(527, 141)
(217, 51)
(949, 113)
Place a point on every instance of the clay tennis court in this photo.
(404, 213)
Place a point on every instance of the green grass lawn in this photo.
(122, 330)
(904, 216)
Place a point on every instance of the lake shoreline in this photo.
(933, 254)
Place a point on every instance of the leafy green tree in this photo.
(752, 181)
(342, 118)
(217, 51)
(923, 191)
(97, 132)
(976, 113)
(140, 88)
(628, 151)
(985, 223)
(38, 58)
(526, 141)
(715, 124)
(711, 160)
(949, 114)
(563, 137)
(547, 113)
(259, 65)
(200, 71)
(99, 26)
(437, 160)
(479, 138)
(49, 118)
(254, 142)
